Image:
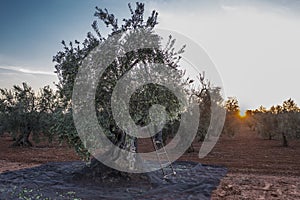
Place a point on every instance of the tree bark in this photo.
(190, 149)
(284, 140)
(23, 139)
(270, 136)
(97, 172)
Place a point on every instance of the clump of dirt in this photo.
(250, 186)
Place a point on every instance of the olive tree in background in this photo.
(206, 96)
(232, 124)
(279, 122)
(25, 113)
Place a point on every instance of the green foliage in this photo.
(232, 106)
(23, 112)
(281, 121)
(202, 96)
(231, 125)
(64, 128)
(71, 57)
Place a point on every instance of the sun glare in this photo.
(242, 114)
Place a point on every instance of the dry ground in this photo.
(258, 168)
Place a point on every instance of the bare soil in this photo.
(257, 168)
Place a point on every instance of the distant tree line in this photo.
(280, 121)
(24, 113)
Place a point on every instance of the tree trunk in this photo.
(23, 139)
(120, 139)
(284, 140)
(97, 172)
(190, 149)
(270, 136)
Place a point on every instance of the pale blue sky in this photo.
(254, 44)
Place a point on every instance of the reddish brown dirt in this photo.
(13, 158)
(258, 168)
(248, 153)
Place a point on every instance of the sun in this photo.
(242, 115)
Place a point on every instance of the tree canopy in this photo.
(24, 112)
(280, 121)
(71, 57)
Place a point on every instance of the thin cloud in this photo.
(10, 76)
(14, 69)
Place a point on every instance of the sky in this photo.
(255, 45)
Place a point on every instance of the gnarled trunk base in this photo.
(97, 172)
(284, 140)
(23, 140)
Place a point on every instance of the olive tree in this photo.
(231, 121)
(24, 113)
(207, 96)
(68, 61)
(281, 121)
